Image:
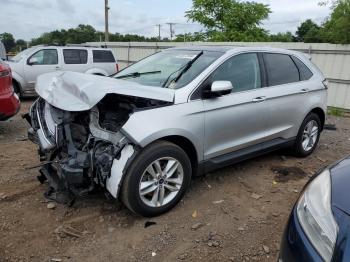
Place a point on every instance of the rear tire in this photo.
(157, 179)
(308, 136)
(17, 89)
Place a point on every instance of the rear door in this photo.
(237, 120)
(288, 94)
(43, 61)
(104, 59)
(75, 60)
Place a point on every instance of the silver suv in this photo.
(142, 133)
(27, 65)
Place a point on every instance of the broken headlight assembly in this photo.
(316, 217)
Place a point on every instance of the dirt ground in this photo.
(235, 214)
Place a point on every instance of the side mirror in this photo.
(32, 61)
(219, 88)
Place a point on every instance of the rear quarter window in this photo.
(75, 56)
(280, 69)
(304, 71)
(103, 56)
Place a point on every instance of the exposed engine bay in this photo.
(86, 149)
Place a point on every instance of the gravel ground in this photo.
(235, 214)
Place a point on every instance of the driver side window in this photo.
(242, 71)
(45, 57)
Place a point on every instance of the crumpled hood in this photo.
(73, 91)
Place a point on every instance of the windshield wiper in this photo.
(182, 70)
(138, 74)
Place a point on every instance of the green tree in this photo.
(20, 44)
(314, 35)
(191, 37)
(230, 20)
(8, 40)
(282, 37)
(81, 34)
(337, 27)
(307, 30)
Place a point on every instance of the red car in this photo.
(9, 102)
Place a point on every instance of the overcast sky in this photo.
(30, 18)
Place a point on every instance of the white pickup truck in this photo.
(29, 64)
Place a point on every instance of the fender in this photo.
(184, 120)
(19, 79)
(166, 133)
(319, 100)
(96, 71)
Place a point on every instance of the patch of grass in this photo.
(335, 111)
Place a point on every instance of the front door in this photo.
(43, 61)
(237, 120)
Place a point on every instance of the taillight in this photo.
(117, 67)
(5, 73)
(325, 83)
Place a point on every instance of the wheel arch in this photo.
(16, 81)
(97, 71)
(321, 114)
(17, 84)
(186, 145)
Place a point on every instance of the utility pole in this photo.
(159, 26)
(171, 30)
(106, 21)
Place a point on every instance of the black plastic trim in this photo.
(244, 154)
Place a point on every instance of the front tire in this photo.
(308, 135)
(157, 179)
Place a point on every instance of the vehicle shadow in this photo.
(98, 198)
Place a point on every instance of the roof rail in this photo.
(73, 45)
(85, 45)
(41, 45)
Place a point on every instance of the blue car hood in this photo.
(340, 176)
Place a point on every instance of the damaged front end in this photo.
(84, 149)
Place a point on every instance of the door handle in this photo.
(57, 67)
(259, 99)
(304, 90)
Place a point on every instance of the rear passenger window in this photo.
(280, 69)
(75, 56)
(103, 56)
(242, 70)
(305, 73)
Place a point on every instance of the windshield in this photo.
(20, 55)
(171, 69)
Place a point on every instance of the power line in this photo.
(293, 21)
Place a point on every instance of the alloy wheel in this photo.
(161, 182)
(310, 135)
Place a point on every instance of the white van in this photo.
(29, 64)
